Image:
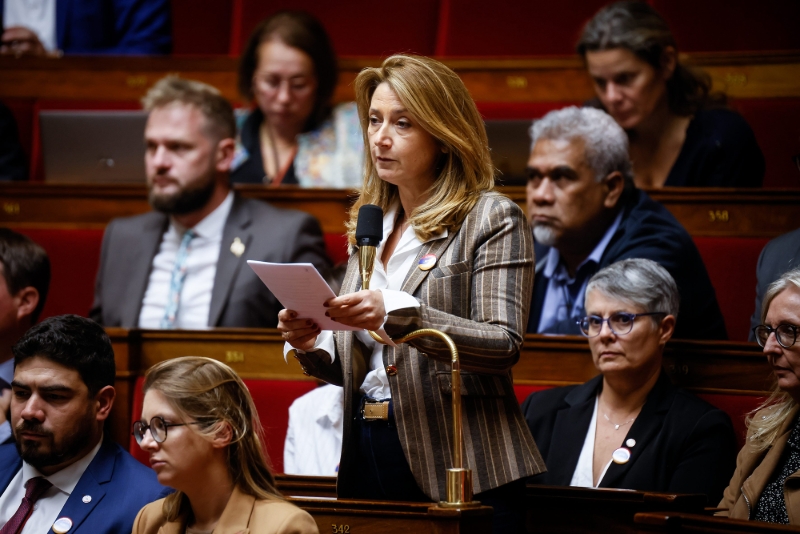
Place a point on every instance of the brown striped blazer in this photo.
(478, 293)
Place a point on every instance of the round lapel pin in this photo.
(631, 442)
(427, 262)
(621, 455)
(87, 499)
(62, 525)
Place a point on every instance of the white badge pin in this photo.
(87, 499)
(621, 455)
(631, 442)
(62, 525)
(237, 247)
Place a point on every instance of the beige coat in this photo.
(243, 515)
(753, 472)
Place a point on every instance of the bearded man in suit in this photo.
(183, 265)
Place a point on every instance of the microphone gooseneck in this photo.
(369, 234)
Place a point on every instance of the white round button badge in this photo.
(621, 455)
(62, 525)
(631, 442)
(88, 498)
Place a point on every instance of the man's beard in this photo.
(188, 199)
(544, 235)
(71, 445)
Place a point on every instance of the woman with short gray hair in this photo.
(629, 427)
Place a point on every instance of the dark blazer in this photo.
(780, 255)
(118, 485)
(648, 230)
(683, 444)
(118, 27)
(238, 298)
(720, 150)
(478, 294)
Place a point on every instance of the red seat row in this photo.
(74, 255)
(481, 28)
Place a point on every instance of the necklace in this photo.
(616, 426)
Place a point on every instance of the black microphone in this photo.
(369, 234)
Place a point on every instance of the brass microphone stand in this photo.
(459, 478)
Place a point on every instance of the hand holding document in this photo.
(299, 287)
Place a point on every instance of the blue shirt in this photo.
(565, 295)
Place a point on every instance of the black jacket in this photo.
(683, 444)
(648, 230)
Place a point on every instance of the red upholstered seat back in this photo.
(731, 264)
(519, 110)
(74, 257)
(776, 124)
(512, 28)
(732, 25)
(272, 399)
(356, 27)
(201, 27)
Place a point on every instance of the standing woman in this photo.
(679, 135)
(294, 136)
(202, 432)
(457, 257)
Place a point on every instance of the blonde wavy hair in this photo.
(763, 432)
(441, 104)
(211, 393)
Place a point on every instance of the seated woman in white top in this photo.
(629, 427)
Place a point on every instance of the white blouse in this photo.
(584, 471)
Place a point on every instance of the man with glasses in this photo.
(582, 204)
(61, 473)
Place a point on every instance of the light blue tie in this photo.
(176, 284)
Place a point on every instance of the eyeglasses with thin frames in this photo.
(619, 323)
(157, 427)
(785, 334)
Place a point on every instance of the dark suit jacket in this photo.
(118, 485)
(478, 294)
(648, 230)
(780, 255)
(683, 444)
(238, 298)
(117, 27)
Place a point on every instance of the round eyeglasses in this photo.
(619, 323)
(785, 334)
(157, 427)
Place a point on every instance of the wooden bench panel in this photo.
(674, 523)
(702, 211)
(558, 79)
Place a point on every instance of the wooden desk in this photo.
(648, 523)
(563, 78)
(567, 509)
(552, 508)
(702, 211)
(350, 516)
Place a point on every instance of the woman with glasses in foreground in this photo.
(764, 485)
(629, 427)
(202, 432)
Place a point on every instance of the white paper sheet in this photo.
(299, 287)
